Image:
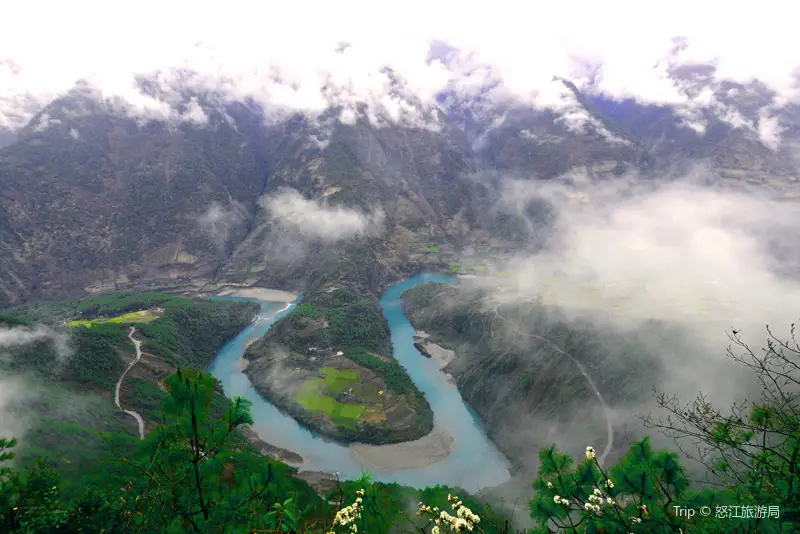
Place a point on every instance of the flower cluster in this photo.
(590, 454)
(350, 514)
(596, 499)
(464, 518)
(558, 499)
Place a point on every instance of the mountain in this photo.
(93, 199)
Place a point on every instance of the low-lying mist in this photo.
(17, 390)
(676, 265)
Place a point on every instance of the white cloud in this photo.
(678, 253)
(289, 56)
(219, 220)
(14, 391)
(577, 119)
(18, 336)
(769, 130)
(318, 220)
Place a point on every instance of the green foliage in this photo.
(190, 333)
(396, 377)
(189, 475)
(353, 322)
(109, 304)
(360, 324)
(96, 360)
(306, 310)
(752, 459)
(147, 397)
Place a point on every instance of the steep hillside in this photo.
(92, 200)
(535, 376)
(65, 377)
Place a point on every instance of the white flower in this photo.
(590, 453)
(550, 485)
(609, 484)
(435, 530)
(557, 499)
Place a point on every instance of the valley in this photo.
(455, 451)
(236, 297)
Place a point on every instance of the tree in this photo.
(194, 476)
(751, 456)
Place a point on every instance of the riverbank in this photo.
(435, 352)
(267, 449)
(425, 451)
(260, 293)
(463, 456)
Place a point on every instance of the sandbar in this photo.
(425, 451)
(260, 293)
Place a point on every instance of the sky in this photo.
(306, 55)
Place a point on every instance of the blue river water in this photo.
(475, 461)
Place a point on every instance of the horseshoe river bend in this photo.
(474, 461)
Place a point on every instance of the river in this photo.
(475, 461)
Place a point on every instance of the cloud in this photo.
(311, 55)
(16, 391)
(22, 335)
(677, 252)
(219, 220)
(668, 268)
(317, 219)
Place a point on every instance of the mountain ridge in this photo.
(93, 200)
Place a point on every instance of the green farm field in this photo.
(315, 395)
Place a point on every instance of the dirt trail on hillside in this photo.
(610, 428)
(133, 414)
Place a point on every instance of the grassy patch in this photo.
(454, 267)
(433, 249)
(347, 412)
(337, 380)
(308, 396)
(311, 397)
(144, 316)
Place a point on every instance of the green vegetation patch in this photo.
(337, 380)
(433, 249)
(143, 316)
(109, 304)
(311, 397)
(396, 377)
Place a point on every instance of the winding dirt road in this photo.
(133, 414)
(610, 428)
